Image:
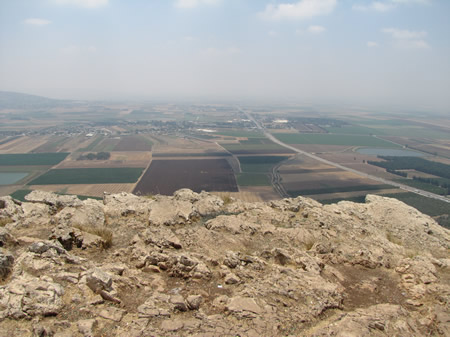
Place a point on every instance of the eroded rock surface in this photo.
(192, 265)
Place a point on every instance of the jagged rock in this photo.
(240, 304)
(97, 280)
(10, 210)
(113, 314)
(170, 212)
(53, 199)
(69, 237)
(6, 264)
(162, 237)
(194, 301)
(26, 297)
(171, 325)
(6, 238)
(231, 278)
(89, 213)
(178, 303)
(86, 327)
(44, 246)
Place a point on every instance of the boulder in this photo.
(97, 280)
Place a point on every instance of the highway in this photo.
(325, 161)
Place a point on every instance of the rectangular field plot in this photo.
(89, 176)
(259, 164)
(167, 176)
(134, 143)
(256, 148)
(331, 139)
(117, 159)
(35, 159)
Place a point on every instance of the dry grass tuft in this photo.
(105, 233)
(227, 199)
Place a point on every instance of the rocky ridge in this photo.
(194, 264)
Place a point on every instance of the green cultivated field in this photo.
(255, 148)
(260, 164)
(89, 176)
(423, 186)
(253, 179)
(341, 189)
(331, 139)
(354, 130)
(239, 133)
(36, 159)
(91, 146)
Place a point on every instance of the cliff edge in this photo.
(194, 264)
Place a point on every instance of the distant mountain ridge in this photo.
(15, 100)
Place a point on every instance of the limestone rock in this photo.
(242, 304)
(53, 199)
(97, 280)
(6, 264)
(192, 265)
(26, 297)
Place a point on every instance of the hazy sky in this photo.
(355, 51)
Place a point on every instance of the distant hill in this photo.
(15, 100)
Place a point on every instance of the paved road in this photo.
(381, 180)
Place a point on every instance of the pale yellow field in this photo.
(8, 189)
(93, 190)
(187, 146)
(23, 144)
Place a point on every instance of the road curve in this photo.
(325, 161)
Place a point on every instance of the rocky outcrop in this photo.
(194, 265)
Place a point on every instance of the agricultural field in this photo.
(90, 146)
(175, 146)
(167, 176)
(334, 139)
(54, 144)
(239, 133)
(253, 179)
(304, 176)
(260, 164)
(88, 176)
(247, 147)
(35, 159)
(137, 159)
(22, 144)
(338, 189)
(354, 130)
(134, 143)
(423, 186)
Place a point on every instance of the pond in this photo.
(389, 152)
(9, 178)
